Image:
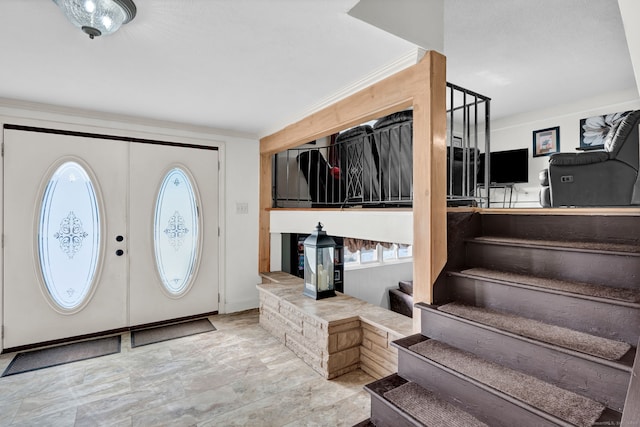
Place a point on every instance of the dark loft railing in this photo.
(372, 164)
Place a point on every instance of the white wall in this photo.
(420, 22)
(382, 225)
(517, 132)
(372, 284)
(242, 186)
(630, 10)
(239, 182)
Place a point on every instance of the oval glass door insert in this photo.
(69, 236)
(175, 229)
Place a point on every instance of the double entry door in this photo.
(102, 234)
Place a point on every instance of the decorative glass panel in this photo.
(69, 235)
(350, 257)
(176, 231)
(368, 255)
(389, 253)
(405, 251)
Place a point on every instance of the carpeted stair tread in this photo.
(606, 292)
(426, 407)
(590, 246)
(534, 329)
(563, 404)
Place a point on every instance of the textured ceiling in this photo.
(527, 55)
(253, 66)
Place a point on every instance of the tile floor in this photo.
(238, 375)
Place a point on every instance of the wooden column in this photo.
(264, 236)
(429, 180)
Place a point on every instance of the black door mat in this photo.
(168, 332)
(67, 353)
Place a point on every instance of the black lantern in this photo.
(319, 255)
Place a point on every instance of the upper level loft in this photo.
(371, 165)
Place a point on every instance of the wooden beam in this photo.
(264, 235)
(392, 94)
(429, 180)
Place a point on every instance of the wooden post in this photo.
(264, 235)
(429, 180)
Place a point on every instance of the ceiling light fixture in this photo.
(98, 17)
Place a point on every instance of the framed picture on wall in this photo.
(546, 141)
(594, 130)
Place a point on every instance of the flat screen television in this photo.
(507, 167)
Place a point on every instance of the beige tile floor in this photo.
(237, 376)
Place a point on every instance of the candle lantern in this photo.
(319, 255)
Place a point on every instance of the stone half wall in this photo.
(332, 347)
(377, 357)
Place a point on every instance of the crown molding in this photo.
(21, 109)
(408, 59)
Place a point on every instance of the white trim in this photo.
(245, 304)
(12, 108)
(222, 224)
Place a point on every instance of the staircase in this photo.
(535, 323)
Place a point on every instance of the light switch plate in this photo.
(242, 208)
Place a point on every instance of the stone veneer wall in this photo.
(377, 357)
(331, 348)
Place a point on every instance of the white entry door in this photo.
(103, 234)
(64, 204)
(174, 232)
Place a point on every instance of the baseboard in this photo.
(236, 306)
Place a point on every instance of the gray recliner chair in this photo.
(596, 178)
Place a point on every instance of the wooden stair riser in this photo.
(487, 406)
(589, 267)
(618, 229)
(598, 381)
(586, 315)
(386, 414)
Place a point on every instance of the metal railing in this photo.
(468, 137)
(371, 165)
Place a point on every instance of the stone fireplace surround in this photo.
(334, 335)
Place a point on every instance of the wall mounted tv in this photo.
(507, 167)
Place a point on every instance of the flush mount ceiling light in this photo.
(98, 17)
